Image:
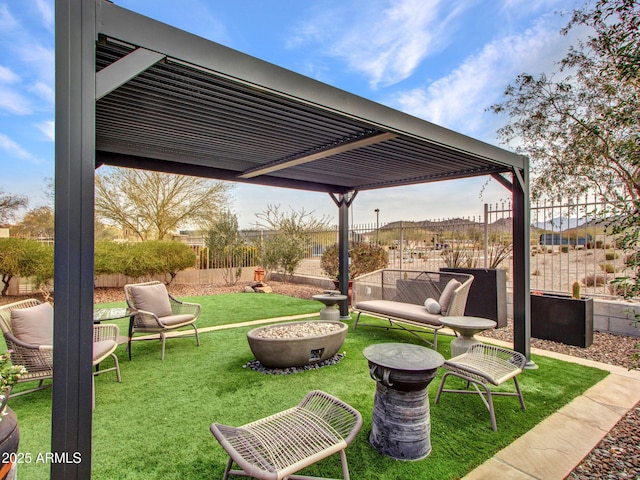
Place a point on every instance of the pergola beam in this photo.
(123, 70)
(346, 147)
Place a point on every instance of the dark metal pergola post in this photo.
(74, 253)
(521, 263)
(343, 202)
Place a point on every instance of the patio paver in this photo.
(553, 448)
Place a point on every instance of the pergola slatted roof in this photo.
(133, 92)
(182, 113)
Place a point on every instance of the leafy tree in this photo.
(25, 258)
(37, 222)
(153, 204)
(291, 239)
(579, 125)
(226, 244)
(9, 205)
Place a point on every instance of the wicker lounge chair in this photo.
(276, 447)
(483, 366)
(26, 349)
(158, 312)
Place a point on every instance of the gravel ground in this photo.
(617, 456)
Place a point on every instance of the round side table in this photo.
(330, 300)
(467, 327)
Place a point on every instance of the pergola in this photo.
(133, 92)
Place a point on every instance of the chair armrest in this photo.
(178, 307)
(144, 319)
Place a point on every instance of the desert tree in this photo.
(580, 125)
(10, 205)
(289, 237)
(225, 244)
(37, 222)
(152, 205)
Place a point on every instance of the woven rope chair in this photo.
(37, 359)
(276, 447)
(105, 342)
(483, 366)
(178, 315)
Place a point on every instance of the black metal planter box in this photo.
(487, 295)
(562, 318)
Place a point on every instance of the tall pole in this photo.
(377, 210)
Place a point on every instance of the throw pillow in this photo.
(432, 306)
(447, 295)
(33, 325)
(152, 298)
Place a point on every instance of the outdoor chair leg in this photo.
(345, 467)
(515, 381)
(162, 339)
(197, 337)
(227, 469)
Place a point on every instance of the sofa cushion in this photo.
(447, 295)
(33, 325)
(432, 306)
(408, 311)
(151, 298)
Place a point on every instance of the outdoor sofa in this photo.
(411, 298)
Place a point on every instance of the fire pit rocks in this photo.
(295, 344)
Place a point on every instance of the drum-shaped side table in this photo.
(401, 423)
(467, 327)
(330, 300)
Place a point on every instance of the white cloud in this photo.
(48, 128)
(385, 40)
(44, 91)
(7, 75)
(14, 102)
(13, 149)
(46, 12)
(460, 99)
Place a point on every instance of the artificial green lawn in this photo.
(155, 424)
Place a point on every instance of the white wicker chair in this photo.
(483, 366)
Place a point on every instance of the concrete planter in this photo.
(295, 352)
(562, 318)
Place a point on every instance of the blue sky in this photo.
(445, 61)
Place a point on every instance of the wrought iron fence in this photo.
(570, 242)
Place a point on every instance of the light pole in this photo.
(377, 210)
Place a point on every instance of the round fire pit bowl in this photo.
(295, 344)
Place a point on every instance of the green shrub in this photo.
(25, 258)
(365, 258)
(608, 267)
(611, 255)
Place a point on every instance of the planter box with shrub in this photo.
(562, 318)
